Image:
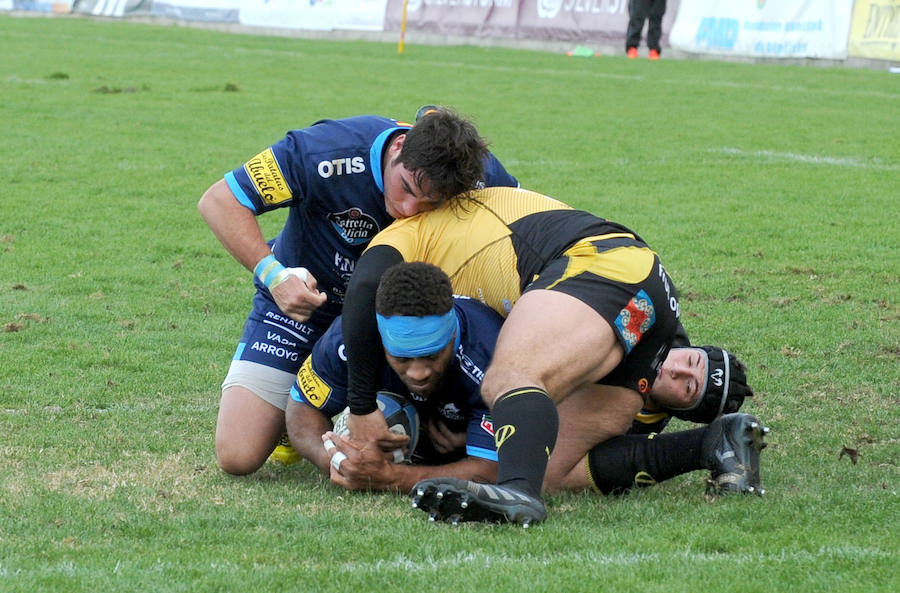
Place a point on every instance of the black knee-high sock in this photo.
(623, 462)
(525, 427)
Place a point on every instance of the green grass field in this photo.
(772, 193)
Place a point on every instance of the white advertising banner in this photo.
(324, 15)
(360, 15)
(764, 28)
(291, 14)
(54, 6)
(109, 7)
(221, 11)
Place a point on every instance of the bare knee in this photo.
(490, 388)
(247, 430)
(500, 379)
(557, 480)
(236, 460)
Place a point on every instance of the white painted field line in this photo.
(812, 159)
(471, 561)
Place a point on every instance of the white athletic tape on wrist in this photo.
(301, 273)
(336, 461)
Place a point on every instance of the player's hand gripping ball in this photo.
(401, 416)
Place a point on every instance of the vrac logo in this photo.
(354, 226)
(344, 166)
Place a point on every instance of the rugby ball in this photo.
(401, 416)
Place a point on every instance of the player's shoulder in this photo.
(328, 352)
(474, 312)
(479, 327)
(522, 198)
(365, 123)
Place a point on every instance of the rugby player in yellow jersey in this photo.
(587, 302)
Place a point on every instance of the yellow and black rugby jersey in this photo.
(495, 245)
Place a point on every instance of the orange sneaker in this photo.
(653, 55)
(632, 53)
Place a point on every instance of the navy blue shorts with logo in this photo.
(273, 339)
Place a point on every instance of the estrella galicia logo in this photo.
(354, 226)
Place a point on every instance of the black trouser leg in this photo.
(637, 10)
(654, 24)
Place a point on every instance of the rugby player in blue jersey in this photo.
(437, 348)
(342, 181)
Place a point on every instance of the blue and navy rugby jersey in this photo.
(330, 177)
(322, 381)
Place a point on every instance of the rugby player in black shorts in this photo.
(591, 318)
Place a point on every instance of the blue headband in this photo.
(414, 337)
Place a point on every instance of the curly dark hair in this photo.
(416, 289)
(445, 154)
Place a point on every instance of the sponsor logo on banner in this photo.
(717, 33)
(266, 176)
(875, 30)
(414, 5)
(817, 29)
(354, 226)
(549, 9)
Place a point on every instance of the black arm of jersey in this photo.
(365, 355)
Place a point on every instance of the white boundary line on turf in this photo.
(771, 155)
(470, 561)
(475, 561)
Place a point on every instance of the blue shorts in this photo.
(273, 339)
(271, 351)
